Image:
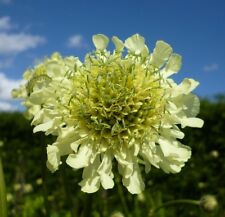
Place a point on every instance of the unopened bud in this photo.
(117, 214)
(141, 197)
(208, 203)
(28, 188)
(9, 197)
(214, 153)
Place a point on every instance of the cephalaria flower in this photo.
(119, 106)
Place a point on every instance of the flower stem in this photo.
(169, 203)
(44, 178)
(122, 198)
(67, 191)
(3, 204)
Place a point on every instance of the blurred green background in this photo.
(33, 191)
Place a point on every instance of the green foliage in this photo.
(3, 203)
(24, 157)
(33, 206)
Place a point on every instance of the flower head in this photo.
(113, 107)
(209, 203)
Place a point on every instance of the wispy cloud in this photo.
(5, 23)
(19, 42)
(12, 42)
(211, 67)
(76, 41)
(6, 86)
(7, 106)
(16, 42)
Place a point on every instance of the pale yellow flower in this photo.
(117, 106)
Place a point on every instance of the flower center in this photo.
(118, 100)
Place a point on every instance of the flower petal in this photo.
(105, 171)
(90, 185)
(53, 161)
(134, 183)
(91, 179)
(185, 87)
(135, 44)
(174, 133)
(148, 152)
(100, 41)
(172, 148)
(173, 155)
(81, 159)
(192, 122)
(118, 44)
(172, 66)
(125, 162)
(43, 127)
(190, 104)
(161, 54)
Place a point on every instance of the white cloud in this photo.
(5, 23)
(16, 43)
(7, 103)
(7, 106)
(76, 41)
(6, 86)
(210, 68)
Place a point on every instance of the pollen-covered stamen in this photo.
(120, 100)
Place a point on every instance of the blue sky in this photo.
(30, 30)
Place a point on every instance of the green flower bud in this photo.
(209, 203)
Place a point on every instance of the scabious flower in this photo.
(115, 106)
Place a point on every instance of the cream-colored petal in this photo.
(41, 96)
(173, 65)
(161, 54)
(190, 104)
(53, 157)
(90, 185)
(173, 149)
(185, 87)
(170, 132)
(171, 166)
(38, 117)
(81, 158)
(135, 44)
(100, 41)
(173, 156)
(145, 51)
(43, 127)
(125, 162)
(53, 130)
(106, 181)
(134, 183)
(77, 142)
(192, 122)
(105, 171)
(91, 179)
(118, 43)
(148, 152)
